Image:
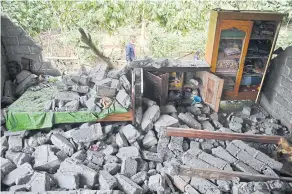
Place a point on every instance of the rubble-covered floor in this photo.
(112, 158)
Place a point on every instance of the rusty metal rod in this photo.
(194, 133)
(225, 175)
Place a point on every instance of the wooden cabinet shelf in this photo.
(233, 33)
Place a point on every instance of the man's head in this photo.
(132, 38)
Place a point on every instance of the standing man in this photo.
(130, 49)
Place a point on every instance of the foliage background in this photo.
(163, 28)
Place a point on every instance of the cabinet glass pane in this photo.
(229, 53)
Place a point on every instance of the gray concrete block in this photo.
(127, 185)
(146, 125)
(67, 180)
(107, 181)
(115, 83)
(194, 110)
(110, 149)
(112, 168)
(67, 96)
(79, 155)
(223, 185)
(149, 139)
(104, 91)
(128, 152)
(104, 82)
(81, 80)
(95, 157)
(62, 155)
(168, 109)
(140, 177)
(19, 172)
(6, 166)
(111, 159)
(148, 102)
(239, 165)
(142, 165)
(206, 125)
(94, 132)
(18, 158)
(156, 183)
(190, 190)
(176, 144)
(165, 121)
(152, 172)
(194, 144)
(246, 110)
(87, 175)
(62, 143)
(129, 167)
(179, 183)
(249, 160)
(214, 161)
(189, 120)
(121, 140)
(223, 154)
(130, 132)
(151, 156)
(15, 143)
(40, 182)
(18, 188)
(123, 98)
(152, 113)
(269, 172)
(45, 159)
(80, 89)
(192, 161)
(207, 145)
(204, 186)
(235, 126)
(125, 83)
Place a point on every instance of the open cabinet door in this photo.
(156, 86)
(211, 89)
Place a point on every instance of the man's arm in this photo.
(128, 53)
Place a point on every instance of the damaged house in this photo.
(150, 127)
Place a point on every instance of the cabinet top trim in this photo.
(248, 15)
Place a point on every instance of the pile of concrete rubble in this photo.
(113, 158)
(120, 158)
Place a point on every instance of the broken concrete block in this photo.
(206, 125)
(110, 149)
(206, 109)
(130, 132)
(179, 183)
(18, 188)
(168, 109)
(45, 159)
(87, 175)
(67, 96)
(223, 154)
(19, 172)
(140, 177)
(18, 158)
(6, 166)
(176, 144)
(91, 104)
(3, 144)
(194, 144)
(80, 89)
(81, 80)
(204, 186)
(123, 98)
(104, 91)
(149, 139)
(105, 82)
(239, 165)
(223, 185)
(15, 143)
(62, 143)
(129, 167)
(146, 125)
(115, 83)
(165, 121)
(152, 165)
(121, 140)
(148, 102)
(142, 165)
(235, 126)
(40, 182)
(112, 168)
(194, 110)
(207, 145)
(107, 181)
(111, 159)
(62, 155)
(246, 111)
(128, 152)
(237, 119)
(94, 132)
(189, 120)
(214, 161)
(127, 185)
(152, 113)
(151, 156)
(72, 106)
(67, 180)
(190, 190)
(95, 157)
(156, 183)
(125, 83)
(79, 155)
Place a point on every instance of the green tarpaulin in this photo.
(27, 112)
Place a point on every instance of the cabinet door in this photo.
(231, 45)
(156, 86)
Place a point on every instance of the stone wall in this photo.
(277, 92)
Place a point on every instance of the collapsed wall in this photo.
(277, 90)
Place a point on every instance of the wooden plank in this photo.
(211, 37)
(128, 116)
(250, 15)
(226, 175)
(193, 133)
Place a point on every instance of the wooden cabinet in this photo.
(239, 47)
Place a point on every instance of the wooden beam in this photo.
(226, 175)
(128, 116)
(204, 134)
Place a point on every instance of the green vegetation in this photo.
(168, 27)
